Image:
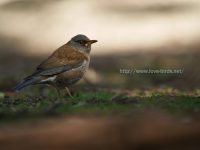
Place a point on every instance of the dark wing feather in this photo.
(59, 69)
(63, 59)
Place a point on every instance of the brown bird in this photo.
(64, 67)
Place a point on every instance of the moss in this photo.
(105, 103)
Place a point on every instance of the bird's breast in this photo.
(73, 75)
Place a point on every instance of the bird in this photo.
(64, 67)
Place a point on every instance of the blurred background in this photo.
(145, 34)
(132, 34)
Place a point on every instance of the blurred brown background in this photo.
(153, 34)
(131, 34)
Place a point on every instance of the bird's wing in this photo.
(59, 69)
(63, 59)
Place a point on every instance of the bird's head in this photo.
(81, 43)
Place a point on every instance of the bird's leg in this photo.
(68, 92)
(60, 95)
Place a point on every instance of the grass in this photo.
(104, 103)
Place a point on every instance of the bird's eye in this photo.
(82, 42)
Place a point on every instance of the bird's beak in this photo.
(92, 41)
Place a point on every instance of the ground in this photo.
(178, 103)
(137, 119)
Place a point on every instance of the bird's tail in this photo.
(24, 83)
